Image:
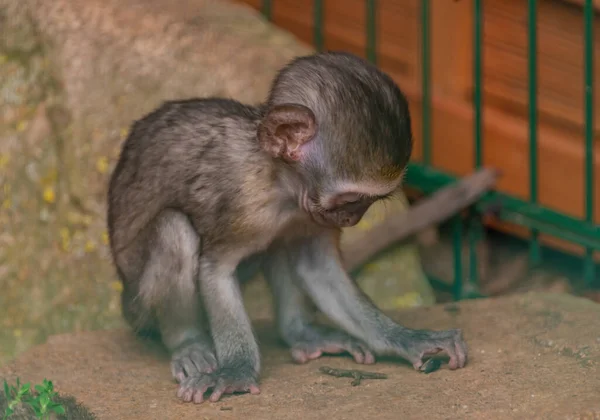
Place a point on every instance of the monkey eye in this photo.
(348, 198)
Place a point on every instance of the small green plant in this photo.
(41, 401)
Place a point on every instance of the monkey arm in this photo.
(295, 315)
(434, 209)
(320, 274)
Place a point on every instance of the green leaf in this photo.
(48, 384)
(44, 400)
(58, 409)
(9, 411)
(25, 388)
(6, 390)
(40, 389)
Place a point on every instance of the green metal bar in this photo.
(478, 135)
(428, 180)
(550, 229)
(457, 233)
(535, 253)
(267, 9)
(478, 80)
(372, 31)
(475, 229)
(589, 266)
(318, 24)
(426, 80)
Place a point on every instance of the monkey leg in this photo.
(294, 316)
(167, 288)
(235, 345)
(320, 273)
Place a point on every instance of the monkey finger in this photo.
(462, 351)
(369, 358)
(224, 386)
(199, 394)
(303, 356)
(194, 388)
(177, 371)
(204, 362)
(361, 354)
(185, 393)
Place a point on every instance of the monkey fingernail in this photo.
(254, 390)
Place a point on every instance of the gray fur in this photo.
(197, 202)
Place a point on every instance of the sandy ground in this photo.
(531, 356)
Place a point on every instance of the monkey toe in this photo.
(321, 341)
(193, 360)
(221, 382)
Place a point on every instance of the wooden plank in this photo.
(560, 60)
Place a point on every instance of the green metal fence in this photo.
(531, 214)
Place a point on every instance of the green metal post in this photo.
(267, 9)
(318, 24)
(457, 233)
(475, 228)
(372, 31)
(426, 83)
(534, 245)
(589, 265)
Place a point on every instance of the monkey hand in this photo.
(191, 359)
(312, 341)
(223, 381)
(416, 344)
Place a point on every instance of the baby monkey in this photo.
(207, 191)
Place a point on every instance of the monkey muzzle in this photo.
(342, 218)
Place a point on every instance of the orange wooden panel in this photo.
(560, 60)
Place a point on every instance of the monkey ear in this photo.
(285, 128)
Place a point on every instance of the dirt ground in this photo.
(531, 356)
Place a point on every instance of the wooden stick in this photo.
(434, 209)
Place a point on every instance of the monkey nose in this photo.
(349, 220)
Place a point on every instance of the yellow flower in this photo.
(90, 246)
(102, 164)
(21, 126)
(49, 195)
(117, 286)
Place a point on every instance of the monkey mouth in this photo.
(307, 206)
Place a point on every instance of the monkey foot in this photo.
(223, 381)
(317, 340)
(426, 343)
(192, 360)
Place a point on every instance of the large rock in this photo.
(73, 76)
(531, 356)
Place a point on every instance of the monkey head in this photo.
(343, 126)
